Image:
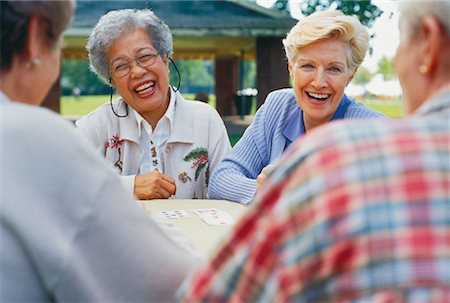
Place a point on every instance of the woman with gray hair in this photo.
(324, 50)
(162, 145)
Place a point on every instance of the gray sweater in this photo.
(69, 230)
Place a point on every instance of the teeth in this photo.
(144, 86)
(319, 96)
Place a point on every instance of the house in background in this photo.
(224, 31)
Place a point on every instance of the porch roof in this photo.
(201, 29)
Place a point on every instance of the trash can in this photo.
(243, 104)
(243, 101)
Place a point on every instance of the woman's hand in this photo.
(261, 179)
(154, 185)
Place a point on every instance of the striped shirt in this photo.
(356, 211)
(277, 123)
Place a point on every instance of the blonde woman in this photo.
(323, 50)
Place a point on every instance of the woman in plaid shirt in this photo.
(358, 211)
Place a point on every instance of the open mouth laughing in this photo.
(316, 97)
(145, 88)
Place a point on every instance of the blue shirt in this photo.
(276, 125)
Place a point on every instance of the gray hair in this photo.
(412, 13)
(329, 25)
(14, 24)
(116, 23)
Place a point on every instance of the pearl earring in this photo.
(35, 62)
(423, 69)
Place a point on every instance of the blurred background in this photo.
(229, 54)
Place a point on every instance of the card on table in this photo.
(174, 214)
(213, 216)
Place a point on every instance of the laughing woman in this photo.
(324, 51)
(162, 145)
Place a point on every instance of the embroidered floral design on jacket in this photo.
(115, 143)
(184, 177)
(199, 156)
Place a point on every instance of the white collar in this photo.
(169, 114)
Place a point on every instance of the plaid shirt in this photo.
(356, 211)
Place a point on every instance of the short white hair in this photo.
(412, 13)
(116, 23)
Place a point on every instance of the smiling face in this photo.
(146, 89)
(320, 74)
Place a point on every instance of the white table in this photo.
(204, 237)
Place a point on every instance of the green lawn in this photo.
(391, 108)
(80, 106)
(71, 106)
(75, 107)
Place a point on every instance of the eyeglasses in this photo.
(121, 67)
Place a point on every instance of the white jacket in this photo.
(196, 145)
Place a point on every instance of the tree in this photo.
(362, 75)
(365, 10)
(282, 5)
(76, 73)
(386, 68)
(195, 74)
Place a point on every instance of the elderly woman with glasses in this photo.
(162, 145)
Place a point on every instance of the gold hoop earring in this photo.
(423, 69)
(35, 62)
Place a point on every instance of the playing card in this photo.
(174, 214)
(213, 216)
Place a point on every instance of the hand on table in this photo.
(154, 185)
(261, 179)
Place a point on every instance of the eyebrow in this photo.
(117, 59)
(146, 47)
(137, 51)
(311, 61)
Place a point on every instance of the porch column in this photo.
(227, 84)
(271, 67)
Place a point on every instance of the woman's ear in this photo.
(34, 41)
(166, 60)
(351, 77)
(431, 43)
(291, 71)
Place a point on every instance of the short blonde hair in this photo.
(330, 24)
